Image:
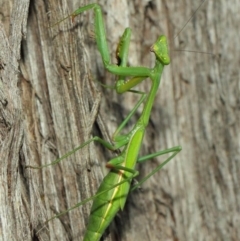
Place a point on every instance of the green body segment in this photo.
(104, 208)
(106, 205)
(113, 191)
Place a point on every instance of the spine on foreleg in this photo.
(104, 207)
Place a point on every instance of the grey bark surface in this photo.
(51, 101)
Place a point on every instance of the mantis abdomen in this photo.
(106, 205)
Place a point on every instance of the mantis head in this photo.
(160, 49)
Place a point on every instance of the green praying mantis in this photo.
(113, 191)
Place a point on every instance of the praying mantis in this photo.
(112, 193)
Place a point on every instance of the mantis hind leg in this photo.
(174, 150)
(106, 144)
(119, 140)
(112, 166)
(115, 164)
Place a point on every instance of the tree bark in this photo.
(51, 101)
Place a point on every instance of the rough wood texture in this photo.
(50, 101)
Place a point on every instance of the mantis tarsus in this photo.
(113, 191)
